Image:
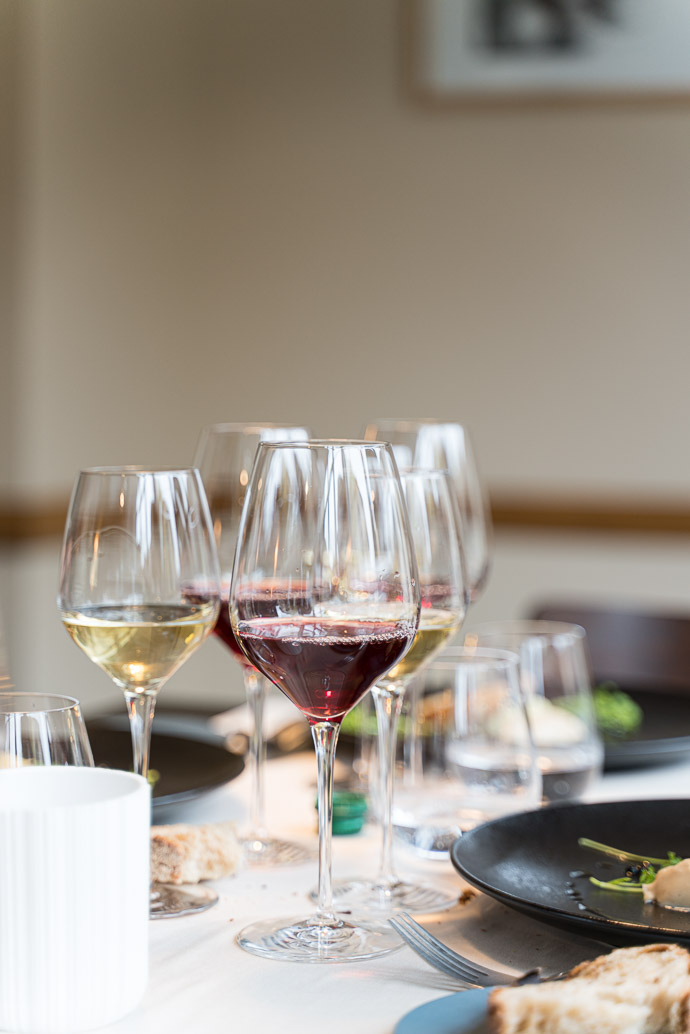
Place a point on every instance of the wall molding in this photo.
(31, 522)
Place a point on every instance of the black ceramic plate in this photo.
(188, 765)
(527, 861)
(663, 736)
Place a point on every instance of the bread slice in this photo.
(188, 854)
(641, 990)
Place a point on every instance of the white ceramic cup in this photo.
(74, 897)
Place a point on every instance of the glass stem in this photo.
(140, 707)
(325, 736)
(255, 687)
(388, 703)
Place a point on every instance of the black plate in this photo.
(188, 765)
(663, 736)
(527, 860)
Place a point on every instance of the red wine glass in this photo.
(440, 445)
(324, 602)
(225, 456)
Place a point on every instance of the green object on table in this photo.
(617, 714)
(349, 812)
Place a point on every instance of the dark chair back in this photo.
(636, 650)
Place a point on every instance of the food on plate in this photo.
(641, 871)
(670, 886)
(641, 990)
(616, 713)
(188, 854)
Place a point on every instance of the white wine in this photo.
(140, 646)
(436, 627)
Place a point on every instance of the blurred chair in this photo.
(645, 651)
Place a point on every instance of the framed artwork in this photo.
(545, 50)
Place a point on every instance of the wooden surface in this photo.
(29, 521)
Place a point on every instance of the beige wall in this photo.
(232, 209)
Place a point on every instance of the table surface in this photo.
(201, 981)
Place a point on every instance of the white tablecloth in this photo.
(202, 983)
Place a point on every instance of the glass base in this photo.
(308, 940)
(388, 898)
(168, 901)
(264, 850)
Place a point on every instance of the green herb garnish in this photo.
(641, 870)
(617, 715)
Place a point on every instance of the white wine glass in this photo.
(436, 541)
(138, 545)
(556, 679)
(225, 456)
(324, 602)
(443, 445)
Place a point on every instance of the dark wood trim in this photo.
(591, 514)
(30, 522)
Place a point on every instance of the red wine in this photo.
(225, 633)
(325, 666)
(263, 604)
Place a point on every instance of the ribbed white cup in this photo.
(74, 897)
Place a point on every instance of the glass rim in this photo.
(67, 703)
(134, 469)
(529, 628)
(455, 655)
(326, 443)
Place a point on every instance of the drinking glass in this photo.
(557, 683)
(473, 759)
(225, 456)
(139, 592)
(42, 729)
(435, 536)
(324, 601)
(439, 445)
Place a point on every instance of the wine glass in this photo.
(42, 729)
(225, 456)
(556, 680)
(138, 545)
(432, 517)
(324, 601)
(438, 445)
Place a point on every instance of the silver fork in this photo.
(438, 954)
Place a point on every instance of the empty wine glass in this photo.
(324, 601)
(42, 729)
(139, 592)
(557, 683)
(435, 537)
(474, 760)
(225, 456)
(439, 445)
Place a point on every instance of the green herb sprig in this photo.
(641, 870)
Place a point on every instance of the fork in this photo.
(438, 954)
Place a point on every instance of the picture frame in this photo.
(468, 52)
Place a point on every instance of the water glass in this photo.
(555, 675)
(42, 729)
(467, 752)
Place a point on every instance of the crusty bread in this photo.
(187, 854)
(642, 990)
